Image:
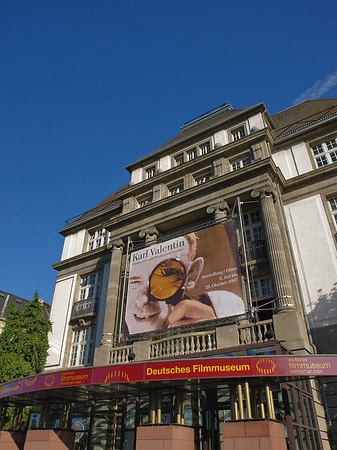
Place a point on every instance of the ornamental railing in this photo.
(86, 307)
(256, 333)
(254, 250)
(196, 342)
(119, 355)
(183, 344)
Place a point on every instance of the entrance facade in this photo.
(206, 413)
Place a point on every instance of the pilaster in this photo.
(111, 307)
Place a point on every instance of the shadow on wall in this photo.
(324, 334)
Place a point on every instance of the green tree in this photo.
(24, 341)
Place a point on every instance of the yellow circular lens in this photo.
(166, 279)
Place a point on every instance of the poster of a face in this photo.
(188, 279)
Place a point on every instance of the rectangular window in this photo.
(144, 200)
(97, 239)
(90, 286)
(240, 163)
(325, 152)
(81, 348)
(203, 177)
(333, 208)
(261, 288)
(239, 133)
(253, 226)
(179, 160)
(191, 154)
(150, 172)
(205, 148)
(176, 188)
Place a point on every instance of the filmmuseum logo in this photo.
(265, 366)
(117, 376)
(72, 378)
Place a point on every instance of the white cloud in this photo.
(318, 88)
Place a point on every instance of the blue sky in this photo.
(88, 87)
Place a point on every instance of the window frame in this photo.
(97, 238)
(145, 200)
(183, 156)
(237, 128)
(82, 347)
(322, 154)
(90, 286)
(205, 175)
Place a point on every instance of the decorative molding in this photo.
(266, 190)
(220, 210)
(116, 244)
(150, 234)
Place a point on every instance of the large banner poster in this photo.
(188, 279)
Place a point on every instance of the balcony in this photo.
(195, 343)
(84, 308)
(254, 250)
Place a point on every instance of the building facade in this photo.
(222, 245)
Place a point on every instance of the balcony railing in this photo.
(254, 250)
(256, 333)
(198, 342)
(86, 307)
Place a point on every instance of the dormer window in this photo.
(240, 163)
(176, 188)
(144, 200)
(238, 133)
(179, 160)
(205, 148)
(203, 177)
(191, 154)
(150, 172)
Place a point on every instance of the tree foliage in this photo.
(23, 342)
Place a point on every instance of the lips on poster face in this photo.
(161, 276)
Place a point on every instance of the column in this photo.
(275, 249)
(220, 210)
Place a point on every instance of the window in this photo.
(90, 286)
(240, 163)
(176, 188)
(325, 153)
(333, 208)
(97, 239)
(144, 200)
(239, 133)
(82, 347)
(150, 172)
(203, 177)
(253, 226)
(191, 154)
(179, 160)
(205, 148)
(261, 288)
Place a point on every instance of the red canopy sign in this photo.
(241, 367)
